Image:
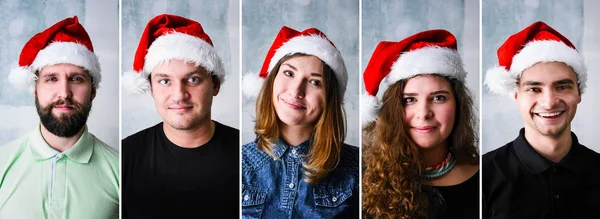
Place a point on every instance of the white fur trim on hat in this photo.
(318, 46)
(187, 48)
(57, 53)
(429, 60)
(251, 85)
(549, 51)
(135, 82)
(22, 78)
(369, 108)
(499, 81)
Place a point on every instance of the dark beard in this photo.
(66, 125)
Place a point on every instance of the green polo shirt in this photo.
(37, 181)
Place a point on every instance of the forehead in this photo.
(548, 72)
(177, 68)
(308, 63)
(427, 83)
(62, 69)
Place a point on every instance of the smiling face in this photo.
(298, 91)
(547, 98)
(429, 110)
(63, 98)
(183, 93)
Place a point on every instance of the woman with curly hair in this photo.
(420, 157)
(298, 165)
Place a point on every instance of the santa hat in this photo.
(536, 43)
(169, 37)
(64, 42)
(289, 41)
(428, 52)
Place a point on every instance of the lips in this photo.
(549, 114)
(424, 129)
(180, 107)
(63, 107)
(294, 105)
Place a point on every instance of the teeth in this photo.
(549, 114)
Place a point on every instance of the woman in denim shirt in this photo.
(420, 156)
(298, 166)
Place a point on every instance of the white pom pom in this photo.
(500, 81)
(251, 85)
(22, 78)
(369, 109)
(134, 82)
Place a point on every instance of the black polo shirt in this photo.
(520, 183)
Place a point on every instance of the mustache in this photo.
(67, 101)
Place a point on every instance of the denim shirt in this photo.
(275, 188)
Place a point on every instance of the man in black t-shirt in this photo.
(544, 172)
(188, 165)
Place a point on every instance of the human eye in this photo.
(193, 80)
(533, 89)
(163, 81)
(409, 100)
(439, 98)
(315, 82)
(288, 73)
(51, 79)
(78, 79)
(564, 87)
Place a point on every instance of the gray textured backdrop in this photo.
(391, 20)
(338, 19)
(577, 20)
(22, 20)
(220, 20)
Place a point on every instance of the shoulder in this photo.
(12, 150)
(252, 158)
(498, 155)
(105, 153)
(227, 134)
(139, 139)
(590, 155)
(349, 158)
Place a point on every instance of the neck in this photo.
(58, 143)
(295, 135)
(553, 148)
(435, 155)
(190, 138)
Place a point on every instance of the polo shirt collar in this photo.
(80, 152)
(536, 163)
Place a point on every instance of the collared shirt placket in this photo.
(292, 173)
(57, 186)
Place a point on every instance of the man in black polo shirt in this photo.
(544, 172)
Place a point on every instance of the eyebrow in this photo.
(312, 74)
(432, 93)
(537, 83)
(71, 74)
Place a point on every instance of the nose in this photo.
(179, 92)
(64, 89)
(298, 88)
(549, 99)
(423, 110)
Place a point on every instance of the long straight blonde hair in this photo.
(328, 133)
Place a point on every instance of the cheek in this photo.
(446, 114)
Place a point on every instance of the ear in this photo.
(216, 85)
(579, 96)
(93, 93)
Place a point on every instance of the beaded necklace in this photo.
(440, 169)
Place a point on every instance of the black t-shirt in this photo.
(163, 180)
(520, 183)
(461, 200)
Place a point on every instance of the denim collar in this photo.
(283, 149)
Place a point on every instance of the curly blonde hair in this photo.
(393, 182)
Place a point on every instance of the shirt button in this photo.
(294, 151)
(246, 197)
(556, 196)
(291, 185)
(334, 199)
(554, 169)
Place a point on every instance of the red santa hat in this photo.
(64, 42)
(169, 37)
(536, 43)
(428, 52)
(289, 41)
